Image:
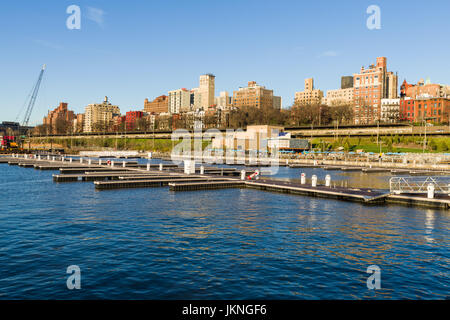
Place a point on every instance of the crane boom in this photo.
(30, 107)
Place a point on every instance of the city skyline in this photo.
(85, 65)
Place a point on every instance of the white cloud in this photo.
(96, 15)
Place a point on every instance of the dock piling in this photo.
(430, 190)
(327, 180)
(303, 178)
(314, 181)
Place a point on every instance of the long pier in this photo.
(372, 170)
(122, 175)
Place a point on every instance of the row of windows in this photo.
(435, 112)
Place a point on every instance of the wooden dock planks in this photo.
(102, 185)
(196, 186)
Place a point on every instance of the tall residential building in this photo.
(346, 82)
(253, 95)
(309, 96)
(206, 90)
(223, 101)
(157, 106)
(99, 113)
(59, 119)
(339, 97)
(179, 101)
(370, 86)
(195, 99)
(78, 123)
(392, 83)
(277, 102)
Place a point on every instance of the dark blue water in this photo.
(224, 244)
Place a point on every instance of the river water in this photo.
(219, 244)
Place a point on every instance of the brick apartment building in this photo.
(131, 118)
(157, 106)
(430, 109)
(420, 89)
(424, 101)
(369, 87)
(253, 95)
(59, 119)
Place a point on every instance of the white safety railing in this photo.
(419, 184)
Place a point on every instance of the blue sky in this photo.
(141, 49)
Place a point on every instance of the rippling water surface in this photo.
(220, 244)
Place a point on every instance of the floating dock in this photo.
(107, 177)
(102, 185)
(210, 185)
(367, 196)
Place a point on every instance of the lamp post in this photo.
(378, 131)
(424, 120)
(153, 136)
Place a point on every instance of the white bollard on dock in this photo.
(99, 162)
(160, 167)
(70, 160)
(314, 181)
(124, 164)
(112, 163)
(89, 161)
(327, 180)
(202, 170)
(242, 174)
(430, 190)
(148, 166)
(48, 157)
(189, 166)
(53, 158)
(81, 160)
(303, 178)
